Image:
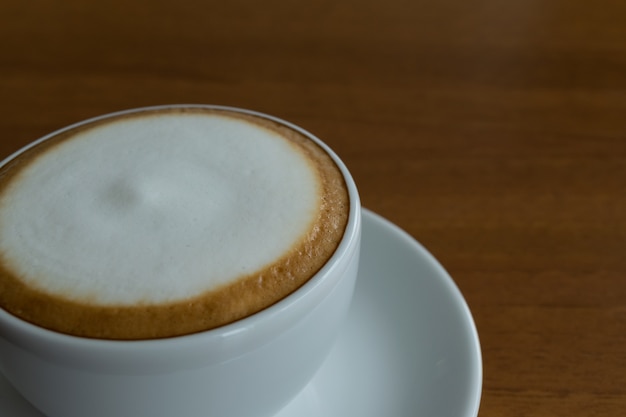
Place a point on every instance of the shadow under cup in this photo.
(252, 367)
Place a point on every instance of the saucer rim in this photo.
(474, 388)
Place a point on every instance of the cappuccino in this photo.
(165, 221)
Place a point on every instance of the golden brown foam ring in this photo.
(212, 309)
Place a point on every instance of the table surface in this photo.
(494, 132)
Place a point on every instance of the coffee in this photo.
(165, 221)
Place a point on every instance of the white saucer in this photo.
(409, 349)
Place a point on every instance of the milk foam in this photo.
(156, 209)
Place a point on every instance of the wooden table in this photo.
(492, 131)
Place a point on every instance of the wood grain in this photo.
(493, 132)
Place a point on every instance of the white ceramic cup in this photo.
(250, 368)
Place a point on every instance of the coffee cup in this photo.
(164, 276)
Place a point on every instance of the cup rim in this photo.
(21, 329)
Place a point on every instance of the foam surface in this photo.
(153, 209)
